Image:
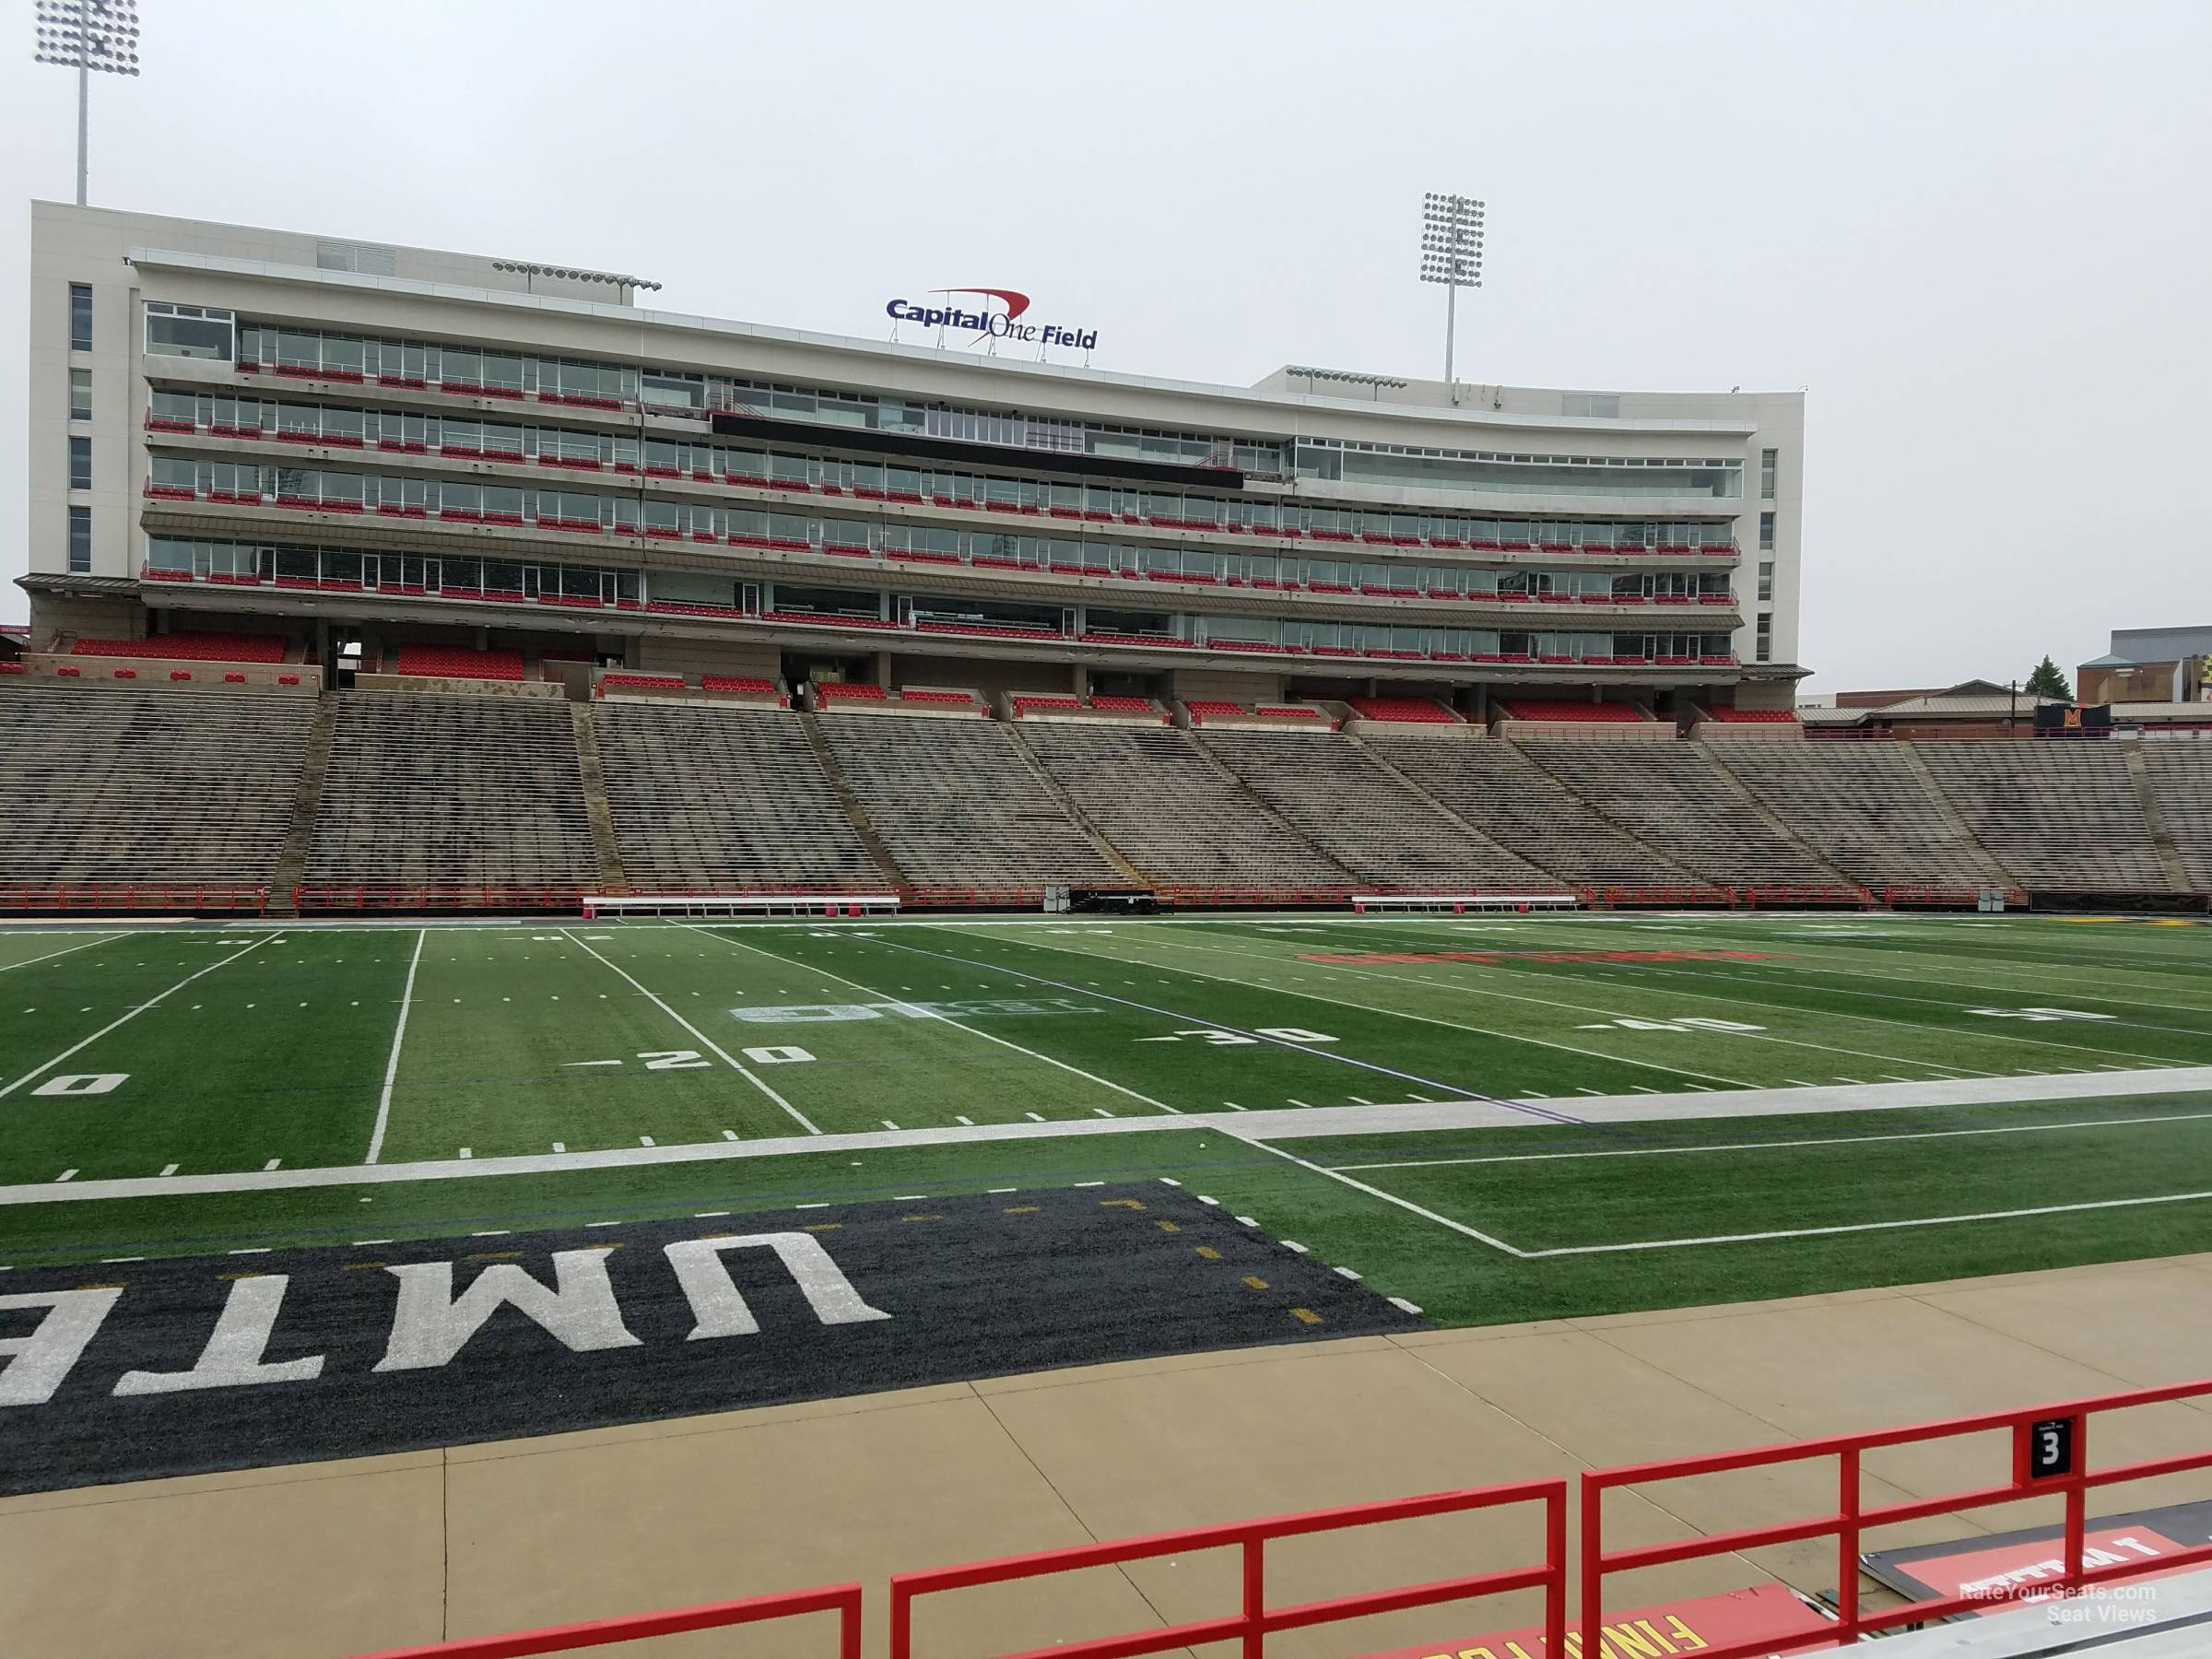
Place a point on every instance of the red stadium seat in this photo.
(1416, 710)
(1563, 708)
(454, 662)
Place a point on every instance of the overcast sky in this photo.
(1976, 235)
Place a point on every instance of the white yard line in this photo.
(1860, 1227)
(399, 1032)
(923, 1008)
(32, 961)
(151, 1002)
(1375, 1192)
(1342, 1002)
(796, 1115)
(1780, 1145)
(1286, 1124)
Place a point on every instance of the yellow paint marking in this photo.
(1120, 1203)
(921, 1218)
(811, 1226)
(1167, 1227)
(357, 1266)
(1305, 1316)
(1209, 1253)
(493, 1256)
(108, 1285)
(1257, 1284)
(1021, 1209)
(248, 1273)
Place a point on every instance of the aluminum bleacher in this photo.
(1170, 812)
(1674, 797)
(2180, 773)
(2062, 817)
(1524, 808)
(1361, 816)
(431, 790)
(957, 806)
(710, 799)
(1867, 809)
(122, 785)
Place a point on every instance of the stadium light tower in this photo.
(86, 35)
(1452, 254)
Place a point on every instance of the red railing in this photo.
(112, 896)
(1665, 895)
(1949, 897)
(841, 1599)
(1792, 897)
(1254, 1621)
(2038, 1433)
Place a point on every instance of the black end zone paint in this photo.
(852, 1300)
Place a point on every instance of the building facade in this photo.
(2150, 666)
(362, 442)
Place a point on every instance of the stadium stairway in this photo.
(611, 877)
(855, 813)
(1266, 813)
(1759, 810)
(1474, 830)
(1066, 803)
(2154, 817)
(1955, 818)
(307, 802)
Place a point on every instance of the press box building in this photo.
(362, 446)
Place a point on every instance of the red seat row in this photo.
(1752, 716)
(189, 647)
(458, 661)
(1421, 711)
(1561, 708)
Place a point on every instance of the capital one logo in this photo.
(1001, 321)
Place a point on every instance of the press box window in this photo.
(80, 316)
(1766, 532)
(80, 393)
(81, 541)
(190, 331)
(80, 463)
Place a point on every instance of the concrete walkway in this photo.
(339, 1557)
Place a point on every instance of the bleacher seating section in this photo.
(1366, 819)
(716, 799)
(1413, 711)
(1564, 707)
(1042, 703)
(2059, 816)
(1169, 811)
(957, 806)
(143, 786)
(189, 648)
(1727, 717)
(830, 692)
(460, 662)
(1524, 808)
(424, 789)
(739, 685)
(1865, 808)
(1673, 796)
(2180, 773)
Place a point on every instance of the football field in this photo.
(1488, 1118)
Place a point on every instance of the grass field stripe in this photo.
(924, 1010)
(1467, 987)
(1734, 975)
(32, 961)
(1861, 1227)
(1780, 1145)
(152, 1001)
(1450, 1025)
(797, 1116)
(1375, 1192)
(399, 1034)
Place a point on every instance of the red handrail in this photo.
(1254, 1621)
(131, 896)
(1852, 1518)
(841, 1599)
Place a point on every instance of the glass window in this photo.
(1770, 462)
(188, 331)
(1766, 579)
(81, 541)
(1766, 532)
(1764, 647)
(80, 393)
(80, 463)
(80, 316)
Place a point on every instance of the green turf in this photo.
(278, 1050)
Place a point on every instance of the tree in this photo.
(2049, 680)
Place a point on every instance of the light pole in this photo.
(1452, 254)
(86, 35)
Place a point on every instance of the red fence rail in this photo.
(1793, 898)
(1255, 1620)
(2038, 1434)
(112, 896)
(841, 1599)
